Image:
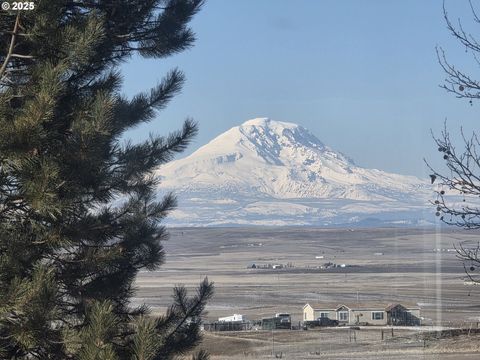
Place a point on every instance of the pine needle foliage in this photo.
(78, 214)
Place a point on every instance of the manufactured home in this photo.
(364, 313)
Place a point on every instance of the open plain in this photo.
(388, 265)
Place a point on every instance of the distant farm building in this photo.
(279, 321)
(227, 326)
(363, 314)
(233, 318)
(235, 322)
(471, 282)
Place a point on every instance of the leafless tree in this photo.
(458, 193)
(457, 81)
(462, 177)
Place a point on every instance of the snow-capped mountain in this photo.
(266, 172)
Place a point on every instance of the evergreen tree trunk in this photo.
(78, 214)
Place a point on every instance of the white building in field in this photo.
(233, 318)
(364, 313)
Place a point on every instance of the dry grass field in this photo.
(338, 343)
(388, 265)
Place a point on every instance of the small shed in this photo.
(397, 314)
(279, 321)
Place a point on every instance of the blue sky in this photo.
(361, 75)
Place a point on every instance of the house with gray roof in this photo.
(368, 313)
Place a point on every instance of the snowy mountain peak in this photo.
(269, 141)
(260, 121)
(267, 159)
(271, 136)
(266, 122)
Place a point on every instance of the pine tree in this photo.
(78, 213)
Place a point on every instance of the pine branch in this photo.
(11, 46)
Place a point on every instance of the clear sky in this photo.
(361, 75)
